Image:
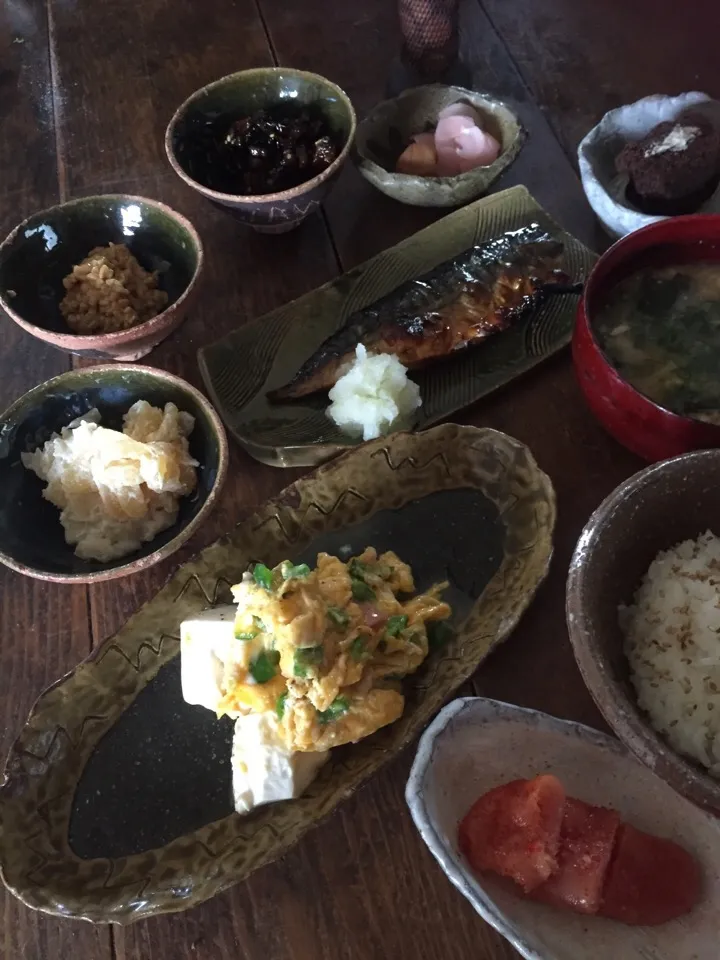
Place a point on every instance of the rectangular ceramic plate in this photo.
(260, 356)
(116, 803)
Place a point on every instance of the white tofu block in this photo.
(207, 643)
(264, 770)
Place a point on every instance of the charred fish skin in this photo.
(458, 304)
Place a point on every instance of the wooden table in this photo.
(86, 90)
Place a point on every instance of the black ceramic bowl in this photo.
(31, 537)
(42, 250)
(242, 94)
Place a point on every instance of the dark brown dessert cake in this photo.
(675, 168)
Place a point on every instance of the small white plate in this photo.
(476, 744)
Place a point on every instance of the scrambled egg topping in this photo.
(325, 648)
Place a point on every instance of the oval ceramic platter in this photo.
(476, 744)
(239, 369)
(116, 803)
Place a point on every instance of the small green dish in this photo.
(242, 94)
(32, 540)
(42, 250)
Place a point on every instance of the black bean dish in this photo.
(272, 150)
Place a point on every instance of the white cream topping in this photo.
(675, 140)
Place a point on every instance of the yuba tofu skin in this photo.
(650, 880)
(587, 838)
(514, 830)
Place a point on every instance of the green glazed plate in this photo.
(116, 802)
(239, 369)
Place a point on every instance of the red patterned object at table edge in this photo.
(430, 31)
(638, 423)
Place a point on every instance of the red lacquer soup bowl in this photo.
(637, 422)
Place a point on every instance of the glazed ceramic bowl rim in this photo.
(593, 287)
(467, 177)
(260, 198)
(612, 701)
(77, 341)
(127, 567)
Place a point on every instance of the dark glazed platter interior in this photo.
(163, 770)
(48, 245)
(30, 529)
(456, 502)
(239, 369)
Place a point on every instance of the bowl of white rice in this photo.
(643, 612)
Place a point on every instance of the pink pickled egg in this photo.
(461, 110)
(461, 146)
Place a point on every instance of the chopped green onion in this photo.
(264, 666)
(439, 633)
(357, 648)
(260, 625)
(361, 591)
(337, 708)
(357, 569)
(338, 617)
(280, 705)
(396, 625)
(263, 576)
(290, 572)
(306, 657)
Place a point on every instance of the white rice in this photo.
(672, 641)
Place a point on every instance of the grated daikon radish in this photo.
(373, 396)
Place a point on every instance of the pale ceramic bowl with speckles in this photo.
(386, 131)
(476, 744)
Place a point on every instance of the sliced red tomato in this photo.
(587, 838)
(650, 880)
(514, 830)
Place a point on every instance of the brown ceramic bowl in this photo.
(657, 508)
(387, 130)
(242, 94)
(32, 540)
(42, 250)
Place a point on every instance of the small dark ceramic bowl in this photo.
(652, 511)
(637, 422)
(241, 94)
(42, 250)
(386, 131)
(31, 537)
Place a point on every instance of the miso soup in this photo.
(660, 329)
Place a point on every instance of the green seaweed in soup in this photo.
(660, 328)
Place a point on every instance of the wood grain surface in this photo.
(86, 90)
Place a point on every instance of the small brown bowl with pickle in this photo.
(263, 144)
(107, 277)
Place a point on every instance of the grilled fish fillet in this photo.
(458, 304)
